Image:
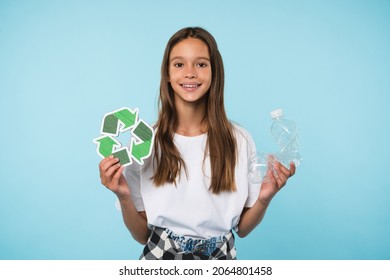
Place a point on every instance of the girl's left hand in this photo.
(275, 179)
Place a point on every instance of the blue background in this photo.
(64, 64)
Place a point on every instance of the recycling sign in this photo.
(120, 121)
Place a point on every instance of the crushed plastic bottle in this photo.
(285, 133)
(258, 166)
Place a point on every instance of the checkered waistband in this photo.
(163, 244)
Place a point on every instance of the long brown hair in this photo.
(221, 144)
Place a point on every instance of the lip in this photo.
(190, 86)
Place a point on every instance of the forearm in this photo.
(251, 217)
(135, 221)
(275, 179)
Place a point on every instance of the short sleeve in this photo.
(132, 174)
(253, 194)
(253, 188)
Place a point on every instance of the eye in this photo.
(201, 64)
(178, 64)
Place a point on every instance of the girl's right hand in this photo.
(111, 176)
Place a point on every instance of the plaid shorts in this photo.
(163, 244)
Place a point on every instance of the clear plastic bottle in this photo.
(285, 133)
(258, 166)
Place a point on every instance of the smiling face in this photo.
(189, 71)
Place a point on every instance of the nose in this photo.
(190, 72)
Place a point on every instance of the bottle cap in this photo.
(277, 113)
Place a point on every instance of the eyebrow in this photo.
(196, 58)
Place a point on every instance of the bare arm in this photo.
(136, 222)
(272, 183)
(111, 176)
(251, 217)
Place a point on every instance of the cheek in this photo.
(210, 78)
(209, 74)
(171, 76)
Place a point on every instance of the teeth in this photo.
(190, 86)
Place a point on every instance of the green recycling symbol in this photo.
(120, 121)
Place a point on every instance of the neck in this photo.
(191, 119)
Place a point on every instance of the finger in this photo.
(103, 161)
(107, 177)
(270, 162)
(105, 172)
(284, 170)
(117, 175)
(108, 163)
(280, 176)
(280, 180)
(292, 168)
(111, 171)
(273, 181)
(269, 178)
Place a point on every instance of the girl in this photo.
(190, 196)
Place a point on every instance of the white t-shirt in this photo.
(190, 208)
